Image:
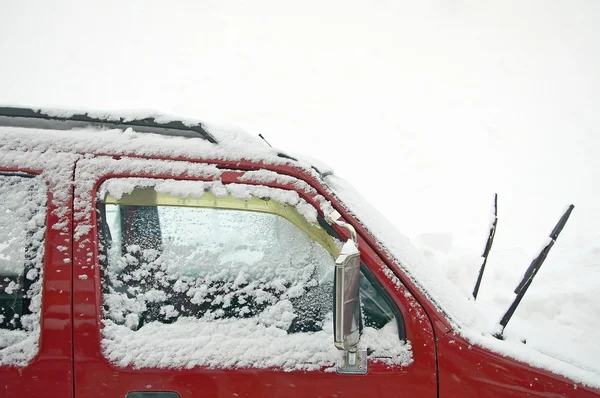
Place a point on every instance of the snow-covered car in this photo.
(143, 256)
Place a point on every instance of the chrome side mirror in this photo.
(347, 315)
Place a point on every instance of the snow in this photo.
(270, 176)
(90, 170)
(195, 189)
(349, 248)
(426, 107)
(240, 343)
(116, 141)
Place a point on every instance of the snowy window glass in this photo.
(188, 286)
(22, 228)
(168, 262)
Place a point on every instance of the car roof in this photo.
(65, 120)
(136, 133)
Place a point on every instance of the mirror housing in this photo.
(347, 326)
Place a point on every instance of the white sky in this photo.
(427, 107)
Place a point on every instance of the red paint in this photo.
(70, 339)
(468, 370)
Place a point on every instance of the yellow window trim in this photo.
(149, 197)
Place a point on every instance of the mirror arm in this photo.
(350, 229)
(335, 218)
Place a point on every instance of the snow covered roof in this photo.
(102, 132)
(64, 120)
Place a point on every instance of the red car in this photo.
(147, 257)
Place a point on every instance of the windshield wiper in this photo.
(532, 271)
(488, 247)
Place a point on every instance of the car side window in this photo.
(22, 228)
(376, 310)
(219, 281)
(178, 262)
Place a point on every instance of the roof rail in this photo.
(25, 117)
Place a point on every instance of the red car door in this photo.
(35, 274)
(195, 281)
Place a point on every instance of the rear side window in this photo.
(22, 228)
(221, 279)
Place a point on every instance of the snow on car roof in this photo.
(110, 133)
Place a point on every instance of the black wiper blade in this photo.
(488, 247)
(532, 271)
(537, 262)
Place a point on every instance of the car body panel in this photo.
(469, 370)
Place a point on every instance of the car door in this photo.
(35, 274)
(194, 281)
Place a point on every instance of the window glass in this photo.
(22, 227)
(375, 309)
(201, 262)
(215, 284)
